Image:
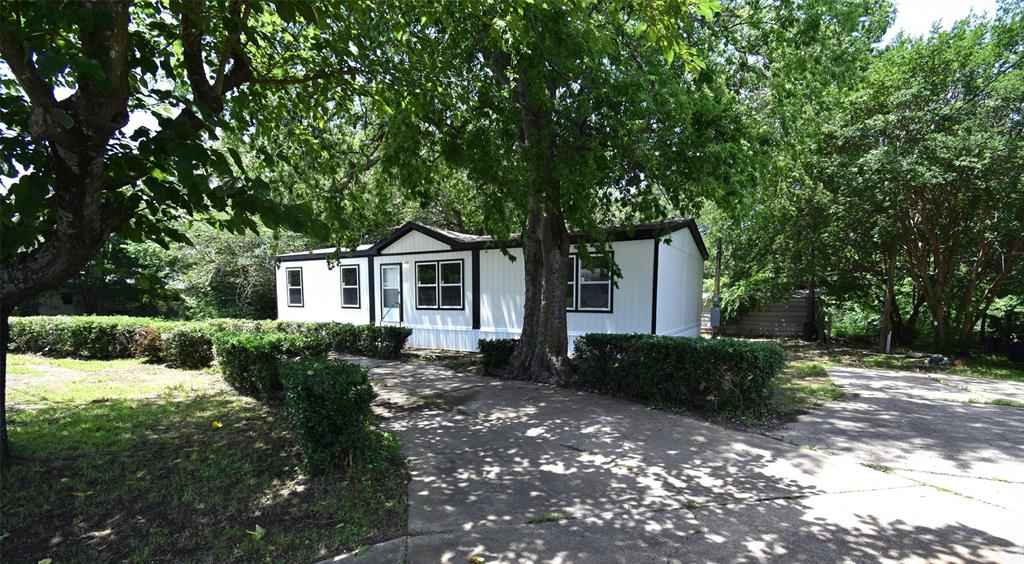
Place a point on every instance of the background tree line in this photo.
(901, 196)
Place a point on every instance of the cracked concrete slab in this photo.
(893, 419)
(1007, 495)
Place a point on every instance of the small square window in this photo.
(350, 286)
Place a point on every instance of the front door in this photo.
(391, 293)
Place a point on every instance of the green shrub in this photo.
(379, 341)
(856, 324)
(723, 375)
(496, 353)
(328, 404)
(189, 346)
(249, 360)
(383, 341)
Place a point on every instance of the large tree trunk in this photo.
(5, 335)
(542, 353)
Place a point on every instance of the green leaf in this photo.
(50, 63)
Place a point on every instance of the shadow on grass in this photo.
(185, 479)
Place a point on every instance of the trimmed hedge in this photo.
(719, 375)
(189, 346)
(496, 354)
(101, 338)
(249, 360)
(328, 404)
(186, 344)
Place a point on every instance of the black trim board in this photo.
(654, 288)
(369, 284)
(476, 288)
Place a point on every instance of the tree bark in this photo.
(542, 352)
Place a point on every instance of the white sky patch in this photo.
(915, 17)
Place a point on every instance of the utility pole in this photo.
(716, 298)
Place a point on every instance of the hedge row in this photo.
(722, 375)
(711, 375)
(184, 344)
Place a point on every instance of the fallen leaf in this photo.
(216, 424)
(475, 560)
(46, 561)
(258, 533)
(82, 494)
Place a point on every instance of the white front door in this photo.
(391, 293)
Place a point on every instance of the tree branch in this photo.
(39, 92)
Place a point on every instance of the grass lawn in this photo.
(124, 461)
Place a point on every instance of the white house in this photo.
(453, 289)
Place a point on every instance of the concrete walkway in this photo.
(514, 472)
(934, 430)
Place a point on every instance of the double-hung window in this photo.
(595, 289)
(587, 289)
(439, 285)
(350, 286)
(293, 279)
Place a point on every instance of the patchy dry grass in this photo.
(459, 361)
(801, 387)
(976, 366)
(123, 461)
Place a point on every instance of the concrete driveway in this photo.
(937, 430)
(514, 472)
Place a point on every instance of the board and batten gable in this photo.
(321, 289)
(414, 242)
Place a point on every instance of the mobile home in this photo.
(453, 289)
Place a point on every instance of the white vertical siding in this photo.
(414, 242)
(680, 283)
(420, 319)
(501, 306)
(321, 292)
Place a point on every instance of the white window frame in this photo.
(435, 285)
(461, 284)
(572, 282)
(439, 283)
(579, 289)
(289, 287)
(388, 308)
(341, 276)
